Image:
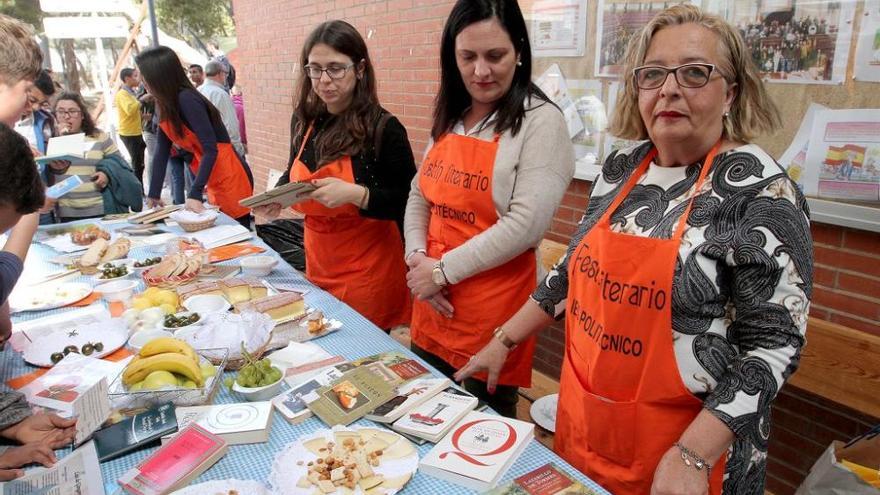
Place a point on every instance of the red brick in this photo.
(863, 286)
(848, 260)
(778, 486)
(861, 240)
(831, 235)
(824, 276)
(785, 472)
(845, 302)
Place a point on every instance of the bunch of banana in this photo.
(164, 354)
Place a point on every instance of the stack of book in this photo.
(433, 418)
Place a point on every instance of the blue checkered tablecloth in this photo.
(358, 337)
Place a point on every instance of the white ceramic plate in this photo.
(42, 298)
(112, 334)
(224, 487)
(543, 411)
(287, 468)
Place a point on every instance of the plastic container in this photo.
(206, 304)
(258, 266)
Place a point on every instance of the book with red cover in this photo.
(187, 455)
(546, 480)
(478, 450)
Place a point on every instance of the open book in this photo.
(67, 148)
(286, 195)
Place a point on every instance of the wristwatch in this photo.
(437, 274)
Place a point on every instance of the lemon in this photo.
(141, 303)
(167, 297)
(168, 309)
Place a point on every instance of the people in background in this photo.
(238, 101)
(190, 121)
(37, 124)
(686, 287)
(128, 109)
(497, 166)
(196, 74)
(21, 195)
(109, 184)
(359, 158)
(216, 93)
(217, 55)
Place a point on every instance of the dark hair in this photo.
(162, 71)
(44, 83)
(125, 73)
(452, 97)
(21, 186)
(196, 66)
(88, 125)
(349, 132)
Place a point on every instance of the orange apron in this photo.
(359, 260)
(622, 403)
(228, 183)
(456, 180)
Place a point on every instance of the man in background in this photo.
(36, 124)
(215, 91)
(129, 110)
(196, 74)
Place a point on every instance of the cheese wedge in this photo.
(371, 482)
(280, 307)
(315, 445)
(399, 450)
(396, 483)
(236, 290)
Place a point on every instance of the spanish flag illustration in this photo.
(836, 155)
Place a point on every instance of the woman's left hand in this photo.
(419, 280)
(332, 192)
(195, 205)
(491, 359)
(673, 476)
(100, 179)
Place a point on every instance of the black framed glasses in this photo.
(694, 75)
(333, 72)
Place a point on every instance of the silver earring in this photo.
(519, 63)
(726, 114)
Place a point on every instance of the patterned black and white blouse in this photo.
(741, 288)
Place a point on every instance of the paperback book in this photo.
(434, 418)
(478, 451)
(350, 397)
(135, 432)
(293, 403)
(548, 479)
(237, 424)
(404, 366)
(408, 397)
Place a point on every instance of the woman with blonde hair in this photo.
(686, 287)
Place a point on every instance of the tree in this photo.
(24, 10)
(195, 19)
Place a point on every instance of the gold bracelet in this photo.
(504, 339)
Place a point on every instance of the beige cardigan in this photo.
(532, 171)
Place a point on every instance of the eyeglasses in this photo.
(687, 75)
(333, 72)
(68, 113)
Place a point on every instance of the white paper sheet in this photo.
(867, 64)
(78, 473)
(553, 84)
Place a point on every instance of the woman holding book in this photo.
(189, 121)
(109, 185)
(358, 157)
(496, 168)
(686, 287)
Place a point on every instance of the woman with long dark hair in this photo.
(359, 158)
(498, 165)
(189, 121)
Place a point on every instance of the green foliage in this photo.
(195, 18)
(24, 10)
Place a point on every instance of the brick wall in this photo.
(403, 38)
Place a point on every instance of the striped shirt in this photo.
(86, 200)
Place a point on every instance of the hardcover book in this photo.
(286, 195)
(435, 417)
(546, 480)
(135, 432)
(478, 451)
(237, 424)
(186, 456)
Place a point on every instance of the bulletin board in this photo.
(821, 59)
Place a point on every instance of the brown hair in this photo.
(752, 112)
(88, 125)
(349, 132)
(20, 55)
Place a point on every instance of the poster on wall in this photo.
(553, 84)
(794, 41)
(794, 160)
(867, 67)
(587, 98)
(843, 157)
(617, 22)
(559, 28)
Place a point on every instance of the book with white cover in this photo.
(435, 417)
(293, 404)
(221, 235)
(478, 451)
(72, 147)
(409, 395)
(241, 423)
